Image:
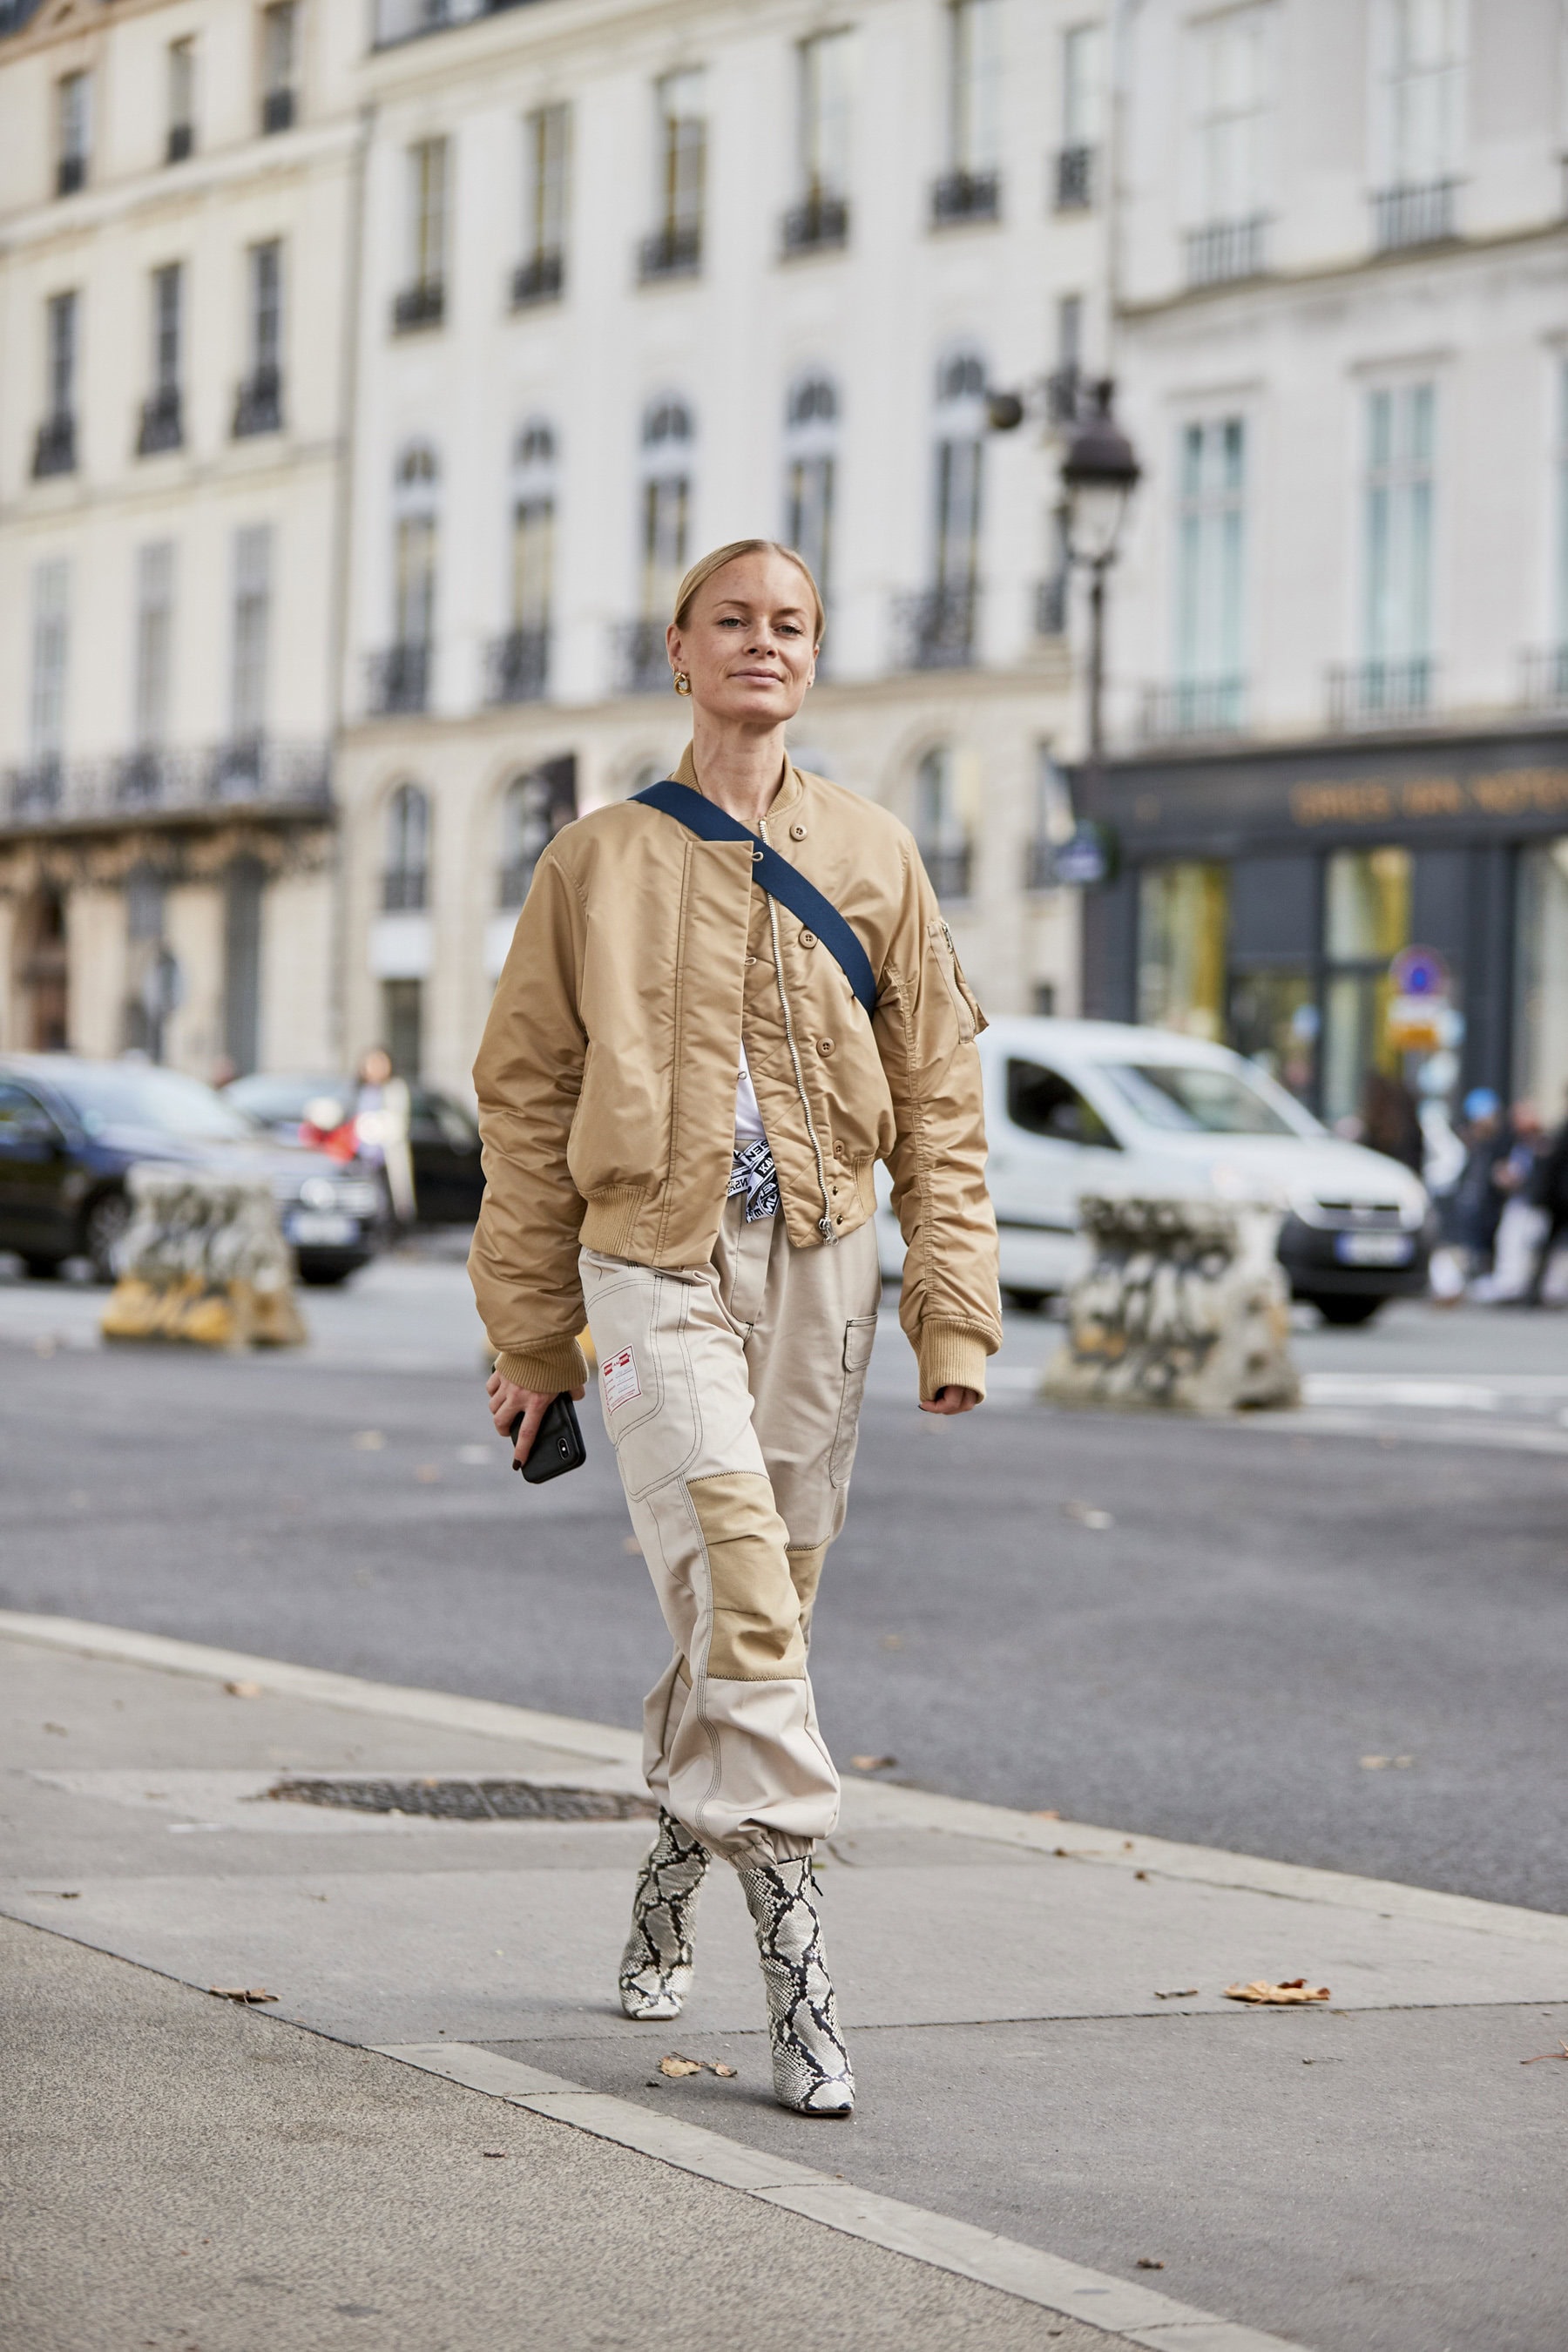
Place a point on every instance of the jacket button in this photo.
(824, 1044)
(797, 832)
(808, 938)
(750, 958)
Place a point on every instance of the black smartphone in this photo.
(557, 1442)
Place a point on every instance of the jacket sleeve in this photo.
(926, 1024)
(528, 1077)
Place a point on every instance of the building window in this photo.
(811, 431)
(1419, 99)
(971, 187)
(520, 661)
(1394, 678)
(1540, 1011)
(403, 1025)
(1053, 822)
(533, 810)
(946, 788)
(142, 774)
(939, 625)
(73, 132)
(1211, 549)
(252, 630)
(680, 146)
(405, 880)
(1553, 685)
(665, 523)
(162, 425)
(53, 450)
(399, 679)
(1182, 923)
(1366, 922)
(423, 300)
(181, 138)
(51, 645)
(1074, 175)
(820, 220)
(278, 106)
(259, 406)
(546, 151)
(1230, 146)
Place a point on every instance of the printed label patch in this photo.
(619, 1374)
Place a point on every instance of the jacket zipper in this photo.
(825, 1224)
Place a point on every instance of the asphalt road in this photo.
(1271, 1604)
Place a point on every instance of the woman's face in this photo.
(747, 645)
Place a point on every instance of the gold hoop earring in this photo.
(682, 683)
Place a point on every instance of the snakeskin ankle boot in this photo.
(656, 1966)
(812, 2074)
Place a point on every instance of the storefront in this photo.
(1260, 897)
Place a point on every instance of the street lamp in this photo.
(1099, 475)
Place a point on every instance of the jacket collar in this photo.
(791, 791)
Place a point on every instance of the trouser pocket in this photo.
(859, 1336)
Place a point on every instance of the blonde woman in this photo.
(684, 1089)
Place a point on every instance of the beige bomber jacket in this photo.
(607, 1074)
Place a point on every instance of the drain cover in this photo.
(468, 1800)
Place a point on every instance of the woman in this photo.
(682, 1102)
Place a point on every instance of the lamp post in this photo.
(1100, 473)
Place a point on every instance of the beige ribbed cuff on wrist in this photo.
(951, 1356)
(547, 1369)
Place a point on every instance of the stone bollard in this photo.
(1184, 1307)
(203, 1260)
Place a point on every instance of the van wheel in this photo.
(1027, 1302)
(1347, 1311)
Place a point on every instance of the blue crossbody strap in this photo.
(777, 876)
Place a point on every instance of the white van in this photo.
(1075, 1107)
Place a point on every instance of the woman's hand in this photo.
(951, 1400)
(507, 1400)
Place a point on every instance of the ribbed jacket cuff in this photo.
(547, 1369)
(951, 1355)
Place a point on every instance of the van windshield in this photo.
(1187, 1098)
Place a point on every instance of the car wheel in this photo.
(324, 1277)
(42, 1269)
(101, 1230)
(1347, 1312)
(1029, 1302)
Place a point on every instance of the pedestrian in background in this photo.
(1390, 1120)
(1549, 1193)
(380, 1128)
(1520, 1223)
(683, 1094)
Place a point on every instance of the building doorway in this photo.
(42, 972)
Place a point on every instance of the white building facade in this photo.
(638, 280)
(177, 222)
(1341, 689)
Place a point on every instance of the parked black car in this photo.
(443, 1142)
(70, 1130)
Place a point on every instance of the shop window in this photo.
(1540, 1023)
(1366, 922)
(1273, 1019)
(1181, 921)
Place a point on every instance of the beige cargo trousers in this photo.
(732, 1395)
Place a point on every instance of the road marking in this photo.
(1134, 2314)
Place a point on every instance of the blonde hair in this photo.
(702, 571)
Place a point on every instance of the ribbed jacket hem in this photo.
(951, 1355)
(547, 1369)
(610, 1220)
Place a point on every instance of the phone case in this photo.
(557, 1444)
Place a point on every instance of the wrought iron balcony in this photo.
(71, 174)
(1544, 681)
(175, 787)
(258, 403)
(673, 251)
(949, 866)
(181, 142)
(405, 890)
(819, 223)
(518, 666)
(935, 629)
(54, 448)
(1224, 251)
(539, 278)
(162, 426)
(397, 680)
(1073, 178)
(640, 661)
(1419, 215)
(1382, 693)
(965, 197)
(1051, 606)
(1194, 706)
(421, 305)
(276, 111)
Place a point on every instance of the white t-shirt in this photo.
(749, 1127)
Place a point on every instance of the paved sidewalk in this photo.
(1038, 2125)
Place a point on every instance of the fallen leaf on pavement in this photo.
(249, 1994)
(1560, 2052)
(1382, 1763)
(1140, 1873)
(631, 1546)
(675, 2066)
(494, 2151)
(368, 1441)
(1087, 1515)
(243, 1690)
(1280, 1996)
(429, 1474)
(1047, 1814)
(1183, 1992)
(1147, 2263)
(873, 1763)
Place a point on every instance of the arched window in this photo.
(533, 809)
(941, 818)
(401, 680)
(663, 526)
(948, 631)
(520, 660)
(811, 461)
(406, 877)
